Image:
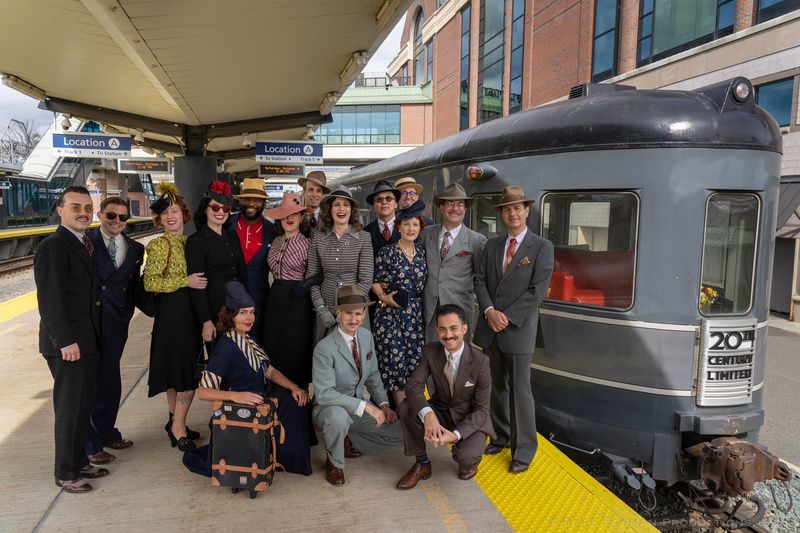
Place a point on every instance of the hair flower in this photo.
(220, 187)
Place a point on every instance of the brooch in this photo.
(524, 261)
(369, 355)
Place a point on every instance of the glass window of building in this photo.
(517, 56)
(429, 55)
(770, 9)
(604, 51)
(594, 235)
(667, 27)
(463, 112)
(729, 254)
(419, 49)
(363, 124)
(776, 98)
(490, 60)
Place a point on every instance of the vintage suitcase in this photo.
(244, 446)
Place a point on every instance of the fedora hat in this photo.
(383, 186)
(408, 181)
(339, 192)
(317, 177)
(291, 203)
(453, 191)
(513, 194)
(349, 297)
(252, 188)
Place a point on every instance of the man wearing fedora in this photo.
(315, 186)
(452, 251)
(255, 235)
(512, 280)
(384, 200)
(345, 364)
(410, 195)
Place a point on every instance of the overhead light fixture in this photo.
(66, 123)
(22, 86)
(139, 138)
(354, 65)
(328, 102)
(246, 141)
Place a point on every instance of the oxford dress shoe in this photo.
(493, 449)
(93, 472)
(101, 458)
(414, 474)
(517, 467)
(120, 444)
(349, 451)
(74, 486)
(467, 473)
(334, 475)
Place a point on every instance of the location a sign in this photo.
(143, 166)
(91, 145)
(289, 152)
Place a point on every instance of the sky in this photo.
(16, 105)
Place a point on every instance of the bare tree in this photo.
(18, 141)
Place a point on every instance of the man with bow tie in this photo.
(457, 411)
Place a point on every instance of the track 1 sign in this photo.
(91, 145)
(289, 152)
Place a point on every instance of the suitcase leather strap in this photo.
(253, 470)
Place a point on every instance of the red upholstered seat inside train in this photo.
(595, 278)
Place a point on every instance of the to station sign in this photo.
(276, 170)
(143, 166)
(289, 152)
(91, 145)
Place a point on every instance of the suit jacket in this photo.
(452, 280)
(67, 293)
(117, 285)
(517, 293)
(344, 261)
(257, 268)
(469, 405)
(378, 241)
(335, 377)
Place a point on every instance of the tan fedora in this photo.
(513, 194)
(317, 177)
(291, 203)
(408, 181)
(453, 191)
(252, 188)
(349, 297)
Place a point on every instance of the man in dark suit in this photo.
(458, 410)
(382, 230)
(315, 186)
(117, 263)
(512, 280)
(69, 333)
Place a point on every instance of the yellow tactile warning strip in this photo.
(11, 309)
(44, 230)
(554, 495)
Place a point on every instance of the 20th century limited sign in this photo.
(91, 145)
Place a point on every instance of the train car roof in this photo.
(614, 119)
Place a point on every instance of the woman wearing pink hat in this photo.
(288, 317)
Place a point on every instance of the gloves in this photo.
(327, 318)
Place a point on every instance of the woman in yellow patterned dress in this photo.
(176, 339)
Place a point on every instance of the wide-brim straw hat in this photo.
(408, 181)
(316, 177)
(383, 186)
(513, 194)
(453, 191)
(339, 192)
(349, 297)
(252, 188)
(290, 204)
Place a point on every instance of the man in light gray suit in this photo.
(452, 251)
(513, 276)
(345, 363)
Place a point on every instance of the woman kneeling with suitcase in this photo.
(238, 371)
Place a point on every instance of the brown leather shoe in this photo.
(492, 449)
(349, 451)
(101, 458)
(334, 475)
(74, 486)
(120, 444)
(467, 473)
(414, 474)
(517, 467)
(93, 472)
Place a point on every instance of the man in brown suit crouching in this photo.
(458, 410)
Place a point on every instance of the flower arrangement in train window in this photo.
(708, 296)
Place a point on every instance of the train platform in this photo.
(149, 488)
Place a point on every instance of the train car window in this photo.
(485, 219)
(729, 254)
(594, 235)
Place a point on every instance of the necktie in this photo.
(512, 249)
(312, 220)
(386, 234)
(445, 245)
(88, 244)
(356, 358)
(112, 251)
(449, 373)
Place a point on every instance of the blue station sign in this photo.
(91, 145)
(289, 151)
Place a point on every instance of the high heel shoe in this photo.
(186, 445)
(168, 428)
(190, 434)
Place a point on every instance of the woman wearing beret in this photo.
(342, 253)
(176, 333)
(399, 329)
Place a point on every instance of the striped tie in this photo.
(112, 251)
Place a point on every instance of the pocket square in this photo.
(464, 253)
(524, 261)
(469, 384)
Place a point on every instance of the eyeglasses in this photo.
(454, 203)
(383, 199)
(77, 208)
(113, 216)
(409, 193)
(216, 208)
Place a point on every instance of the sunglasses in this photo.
(77, 208)
(383, 199)
(113, 216)
(216, 208)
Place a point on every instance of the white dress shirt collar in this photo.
(389, 223)
(519, 238)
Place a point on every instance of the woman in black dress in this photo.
(288, 318)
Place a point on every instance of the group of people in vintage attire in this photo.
(363, 335)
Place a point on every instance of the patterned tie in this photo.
(356, 358)
(87, 242)
(512, 249)
(449, 373)
(112, 251)
(445, 245)
(312, 220)
(386, 234)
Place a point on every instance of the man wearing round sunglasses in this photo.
(117, 261)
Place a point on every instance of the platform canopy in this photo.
(194, 75)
